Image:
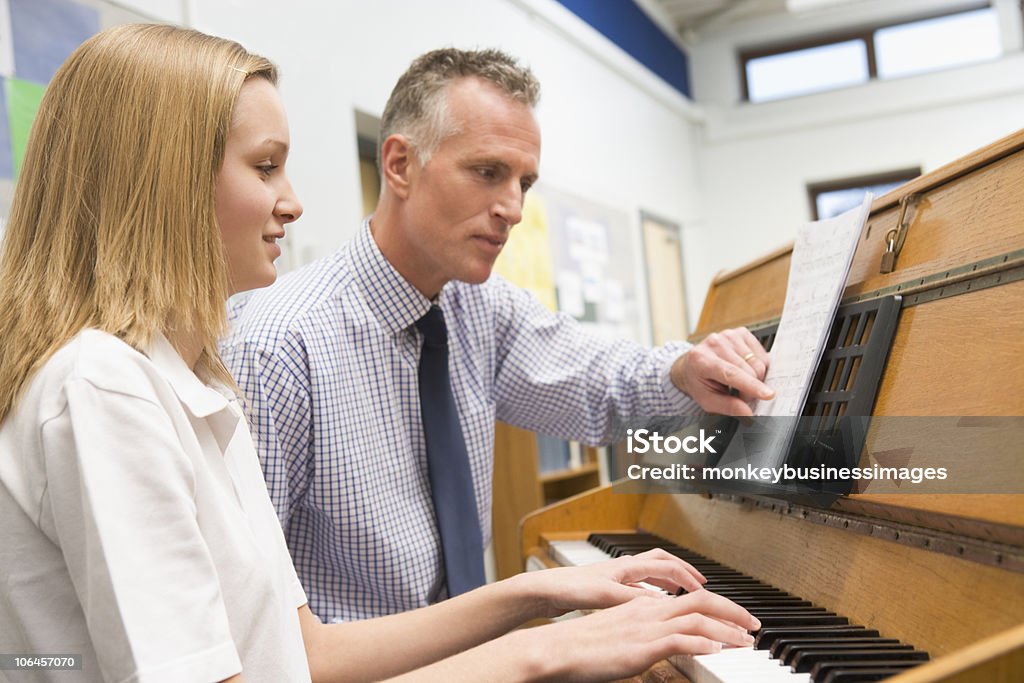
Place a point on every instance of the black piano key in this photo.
(748, 591)
(790, 657)
(751, 591)
(767, 636)
(804, 620)
(782, 610)
(783, 616)
(606, 541)
(685, 553)
(740, 585)
(739, 595)
(741, 598)
(695, 560)
(726, 577)
(749, 603)
(848, 672)
(743, 585)
(625, 550)
(778, 648)
(725, 583)
(806, 659)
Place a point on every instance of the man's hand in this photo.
(721, 362)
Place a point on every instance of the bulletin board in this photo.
(576, 255)
(36, 36)
(525, 260)
(594, 264)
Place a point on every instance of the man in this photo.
(374, 376)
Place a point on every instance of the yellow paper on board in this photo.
(525, 260)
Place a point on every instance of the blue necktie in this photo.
(451, 482)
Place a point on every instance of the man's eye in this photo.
(486, 172)
(525, 186)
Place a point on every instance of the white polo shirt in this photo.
(136, 529)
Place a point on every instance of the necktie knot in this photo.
(432, 327)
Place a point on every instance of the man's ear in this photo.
(398, 161)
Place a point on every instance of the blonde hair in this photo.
(112, 225)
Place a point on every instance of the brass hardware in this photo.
(889, 255)
(895, 238)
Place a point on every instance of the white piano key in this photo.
(582, 553)
(736, 665)
(731, 665)
(577, 553)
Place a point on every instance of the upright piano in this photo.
(941, 572)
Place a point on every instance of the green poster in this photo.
(23, 100)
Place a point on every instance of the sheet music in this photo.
(821, 260)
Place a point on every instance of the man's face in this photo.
(464, 201)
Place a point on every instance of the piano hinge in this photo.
(990, 272)
(1002, 556)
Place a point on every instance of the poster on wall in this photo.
(592, 254)
(36, 36)
(525, 260)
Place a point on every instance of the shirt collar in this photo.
(200, 400)
(395, 302)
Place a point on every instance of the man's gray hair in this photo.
(418, 106)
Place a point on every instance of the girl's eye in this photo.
(266, 169)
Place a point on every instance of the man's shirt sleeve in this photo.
(555, 377)
(275, 389)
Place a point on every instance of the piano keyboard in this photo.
(798, 641)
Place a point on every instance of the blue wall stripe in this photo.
(626, 25)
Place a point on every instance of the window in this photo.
(938, 43)
(832, 197)
(805, 71)
(967, 36)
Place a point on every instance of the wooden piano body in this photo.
(944, 572)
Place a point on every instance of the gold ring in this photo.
(748, 356)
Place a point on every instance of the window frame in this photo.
(902, 175)
(865, 34)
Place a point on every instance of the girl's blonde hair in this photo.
(112, 225)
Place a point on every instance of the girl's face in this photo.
(254, 199)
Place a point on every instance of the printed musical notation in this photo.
(821, 260)
(820, 264)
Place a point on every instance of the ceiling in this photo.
(691, 19)
(693, 16)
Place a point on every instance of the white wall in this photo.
(755, 160)
(732, 174)
(611, 132)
